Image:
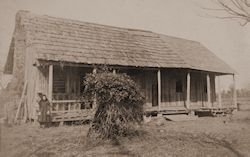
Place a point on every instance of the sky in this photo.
(179, 18)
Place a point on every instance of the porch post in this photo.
(188, 91)
(219, 92)
(94, 71)
(208, 91)
(50, 92)
(94, 101)
(234, 93)
(159, 88)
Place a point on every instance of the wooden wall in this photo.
(151, 89)
(147, 79)
(198, 95)
(170, 96)
(67, 82)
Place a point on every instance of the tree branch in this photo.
(232, 9)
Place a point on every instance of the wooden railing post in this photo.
(159, 88)
(208, 91)
(188, 91)
(219, 93)
(234, 93)
(50, 92)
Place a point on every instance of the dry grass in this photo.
(208, 136)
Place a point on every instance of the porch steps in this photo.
(214, 111)
(180, 117)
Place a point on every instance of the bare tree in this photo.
(233, 9)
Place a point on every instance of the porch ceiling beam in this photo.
(41, 63)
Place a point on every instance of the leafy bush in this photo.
(119, 104)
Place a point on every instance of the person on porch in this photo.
(44, 114)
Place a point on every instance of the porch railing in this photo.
(70, 110)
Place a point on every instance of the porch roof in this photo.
(58, 39)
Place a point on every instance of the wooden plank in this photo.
(68, 80)
(57, 107)
(60, 116)
(219, 92)
(159, 88)
(69, 106)
(94, 101)
(180, 117)
(188, 91)
(213, 90)
(208, 91)
(74, 111)
(25, 111)
(234, 93)
(66, 101)
(21, 100)
(50, 92)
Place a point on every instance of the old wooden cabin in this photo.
(52, 55)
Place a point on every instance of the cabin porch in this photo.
(167, 91)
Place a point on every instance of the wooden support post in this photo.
(69, 106)
(21, 102)
(25, 111)
(219, 92)
(188, 91)
(79, 106)
(94, 71)
(234, 93)
(208, 91)
(159, 88)
(50, 92)
(57, 107)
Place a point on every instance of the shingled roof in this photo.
(58, 39)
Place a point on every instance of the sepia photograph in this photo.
(124, 78)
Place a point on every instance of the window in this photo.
(179, 88)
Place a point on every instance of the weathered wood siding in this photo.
(147, 81)
(38, 83)
(172, 98)
(67, 82)
(199, 87)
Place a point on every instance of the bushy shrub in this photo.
(119, 104)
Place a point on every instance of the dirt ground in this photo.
(205, 137)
